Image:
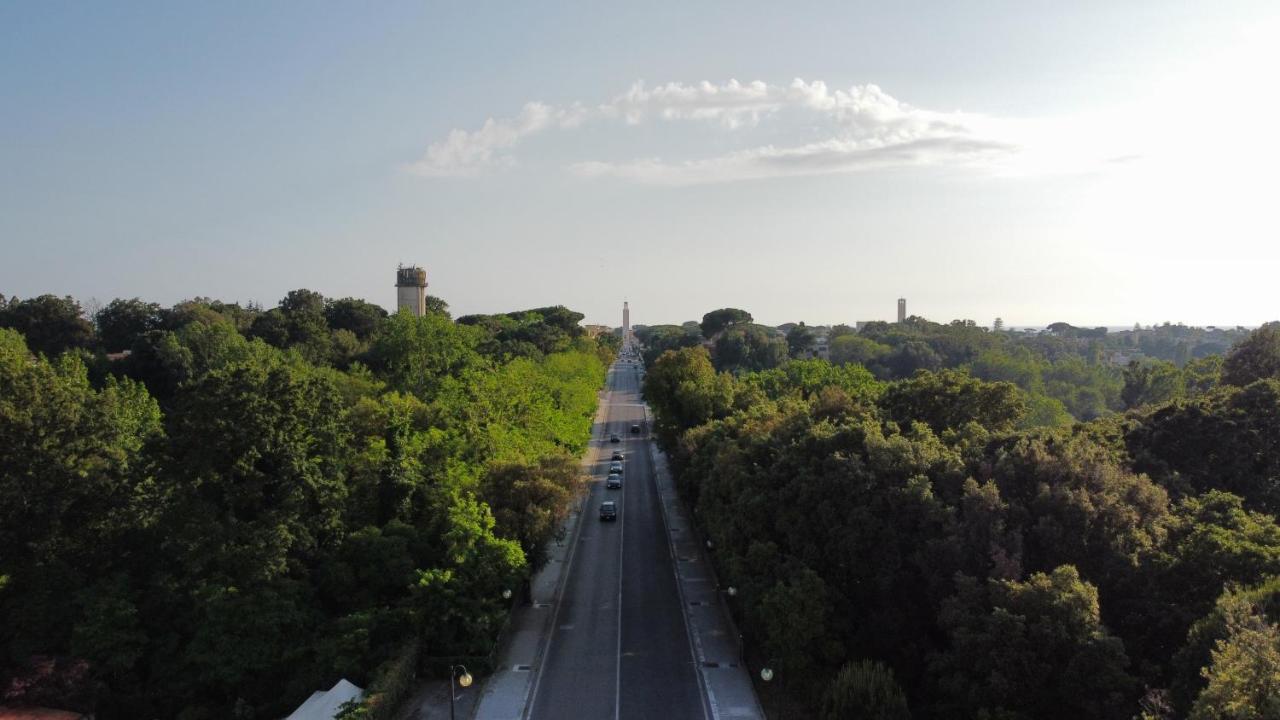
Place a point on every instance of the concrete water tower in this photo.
(411, 289)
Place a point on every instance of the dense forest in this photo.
(210, 510)
(910, 533)
(1065, 373)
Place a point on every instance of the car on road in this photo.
(617, 455)
(609, 510)
(614, 439)
(614, 482)
(615, 468)
(635, 428)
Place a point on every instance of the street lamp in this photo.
(732, 591)
(766, 672)
(506, 594)
(464, 680)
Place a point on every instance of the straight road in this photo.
(619, 647)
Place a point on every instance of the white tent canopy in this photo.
(323, 705)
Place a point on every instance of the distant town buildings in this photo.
(411, 289)
(821, 343)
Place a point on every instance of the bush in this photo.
(390, 684)
(865, 690)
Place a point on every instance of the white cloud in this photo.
(865, 128)
(829, 156)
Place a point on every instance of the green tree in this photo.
(1043, 411)
(748, 348)
(438, 306)
(165, 359)
(1151, 383)
(308, 332)
(75, 507)
(1017, 365)
(299, 323)
(1073, 503)
(718, 320)
(1243, 680)
(1191, 662)
(865, 690)
(685, 391)
(207, 310)
(1227, 440)
(459, 602)
(1212, 542)
(360, 317)
(253, 471)
(530, 500)
(800, 340)
(1034, 650)
(422, 355)
(123, 322)
(50, 324)
(794, 616)
(272, 327)
(529, 333)
(868, 353)
(950, 399)
(1256, 357)
(911, 356)
(657, 339)
(1203, 374)
(809, 377)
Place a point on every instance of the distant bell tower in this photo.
(902, 309)
(626, 319)
(411, 289)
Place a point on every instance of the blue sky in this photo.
(1099, 163)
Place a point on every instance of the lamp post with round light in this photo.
(463, 679)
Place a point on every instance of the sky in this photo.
(1099, 163)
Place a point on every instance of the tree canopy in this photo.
(257, 502)
(717, 320)
(919, 526)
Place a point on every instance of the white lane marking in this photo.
(617, 674)
(622, 540)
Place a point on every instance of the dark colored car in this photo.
(635, 428)
(614, 439)
(617, 455)
(609, 510)
(614, 482)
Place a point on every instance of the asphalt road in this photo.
(619, 647)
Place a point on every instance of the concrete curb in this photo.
(729, 690)
(709, 707)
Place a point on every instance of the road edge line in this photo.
(545, 648)
(710, 708)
